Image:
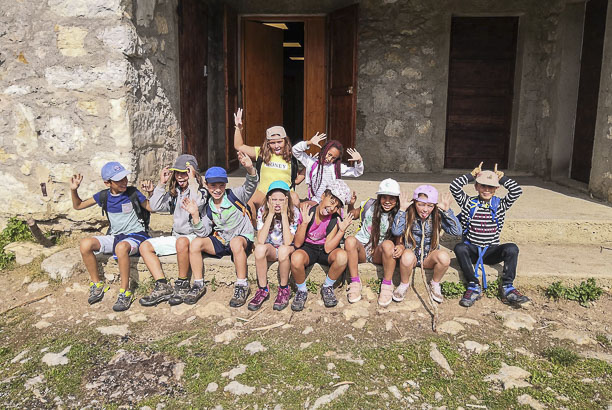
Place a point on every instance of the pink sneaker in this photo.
(354, 292)
(386, 295)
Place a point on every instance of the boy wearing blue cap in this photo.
(224, 228)
(127, 211)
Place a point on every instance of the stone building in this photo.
(415, 85)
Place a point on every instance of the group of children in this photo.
(211, 220)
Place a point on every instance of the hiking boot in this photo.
(96, 292)
(436, 291)
(511, 296)
(260, 297)
(161, 293)
(471, 295)
(354, 292)
(282, 299)
(299, 301)
(399, 294)
(123, 302)
(241, 293)
(194, 294)
(386, 295)
(329, 298)
(181, 288)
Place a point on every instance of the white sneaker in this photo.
(436, 291)
(354, 292)
(386, 295)
(399, 294)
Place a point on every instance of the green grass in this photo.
(585, 294)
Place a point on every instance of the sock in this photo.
(264, 288)
(355, 279)
(199, 283)
(161, 281)
(242, 282)
(387, 282)
(403, 286)
(302, 287)
(125, 292)
(328, 282)
(507, 288)
(474, 286)
(98, 284)
(284, 287)
(181, 279)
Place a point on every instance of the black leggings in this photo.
(467, 255)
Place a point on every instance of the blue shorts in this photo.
(222, 250)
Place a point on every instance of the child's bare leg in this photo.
(263, 253)
(299, 260)
(408, 262)
(384, 253)
(197, 246)
(238, 246)
(355, 253)
(439, 260)
(122, 250)
(337, 261)
(87, 247)
(151, 260)
(255, 203)
(284, 263)
(182, 256)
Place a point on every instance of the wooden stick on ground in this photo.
(38, 235)
(257, 313)
(27, 302)
(278, 324)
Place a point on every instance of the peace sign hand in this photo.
(499, 174)
(477, 170)
(316, 140)
(238, 118)
(355, 156)
(147, 186)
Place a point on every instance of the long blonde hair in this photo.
(266, 153)
(436, 221)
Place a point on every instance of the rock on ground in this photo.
(307, 330)
(576, 336)
(56, 359)
(236, 371)
(510, 377)
(516, 320)
(255, 347)
(451, 327)
(437, 357)
(359, 323)
(475, 346)
(212, 387)
(213, 309)
(117, 330)
(238, 389)
(326, 399)
(36, 286)
(527, 400)
(26, 252)
(395, 392)
(227, 336)
(64, 264)
(138, 317)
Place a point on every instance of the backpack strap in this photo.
(330, 227)
(104, 206)
(258, 163)
(310, 189)
(474, 204)
(368, 204)
(172, 204)
(294, 171)
(235, 201)
(143, 215)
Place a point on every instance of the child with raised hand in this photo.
(127, 212)
(185, 182)
(420, 223)
(374, 242)
(321, 171)
(273, 161)
(224, 228)
(277, 222)
(317, 240)
(481, 239)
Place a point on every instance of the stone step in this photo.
(539, 265)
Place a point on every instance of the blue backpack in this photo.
(474, 204)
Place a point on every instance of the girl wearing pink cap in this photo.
(420, 222)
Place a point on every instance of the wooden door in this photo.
(342, 29)
(263, 80)
(588, 88)
(315, 77)
(480, 91)
(193, 60)
(230, 58)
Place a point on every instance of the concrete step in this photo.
(539, 265)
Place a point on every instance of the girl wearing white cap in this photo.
(374, 242)
(420, 222)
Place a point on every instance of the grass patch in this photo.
(312, 286)
(16, 230)
(452, 290)
(374, 284)
(603, 340)
(585, 294)
(561, 356)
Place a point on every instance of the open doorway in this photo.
(293, 80)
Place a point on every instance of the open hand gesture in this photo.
(75, 181)
(477, 170)
(191, 171)
(147, 186)
(190, 206)
(355, 156)
(316, 140)
(245, 160)
(342, 225)
(238, 118)
(499, 174)
(445, 201)
(405, 201)
(306, 215)
(164, 175)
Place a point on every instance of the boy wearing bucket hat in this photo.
(482, 218)
(125, 208)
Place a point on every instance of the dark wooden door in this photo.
(193, 60)
(342, 29)
(263, 80)
(480, 91)
(230, 58)
(588, 88)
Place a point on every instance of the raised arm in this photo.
(450, 223)
(335, 236)
(246, 191)
(159, 199)
(514, 189)
(357, 169)
(399, 222)
(300, 234)
(299, 149)
(77, 202)
(238, 140)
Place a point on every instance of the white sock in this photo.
(403, 286)
(242, 282)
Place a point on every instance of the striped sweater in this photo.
(483, 230)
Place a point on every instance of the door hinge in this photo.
(205, 71)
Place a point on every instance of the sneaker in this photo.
(282, 299)
(96, 292)
(399, 294)
(354, 292)
(329, 298)
(299, 301)
(194, 294)
(471, 295)
(436, 291)
(511, 296)
(386, 295)
(260, 297)
(181, 288)
(123, 302)
(241, 293)
(161, 293)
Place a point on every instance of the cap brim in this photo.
(496, 185)
(212, 180)
(120, 175)
(387, 193)
(178, 169)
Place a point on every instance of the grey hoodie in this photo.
(160, 202)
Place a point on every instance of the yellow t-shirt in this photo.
(277, 170)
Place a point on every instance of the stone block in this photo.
(70, 41)
(111, 75)
(63, 265)
(121, 38)
(90, 107)
(26, 252)
(144, 12)
(87, 8)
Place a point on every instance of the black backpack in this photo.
(330, 227)
(294, 168)
(144, 216)
(234, 200)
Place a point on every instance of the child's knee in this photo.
(388, 247)
(341, 258)
(350, 244)
(461, 248)
(260, 251)
(237, 245)
(284, 253)
(511, 249)
(88, 245)
(182, 245)
(408, 258)
(443, 258)
(123, 248)
(146, 248)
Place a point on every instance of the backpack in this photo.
(368, 204)
(330, 226)
(144, 216)
(294, 168)
(235, 201)
(474, 204)
(172, 201)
